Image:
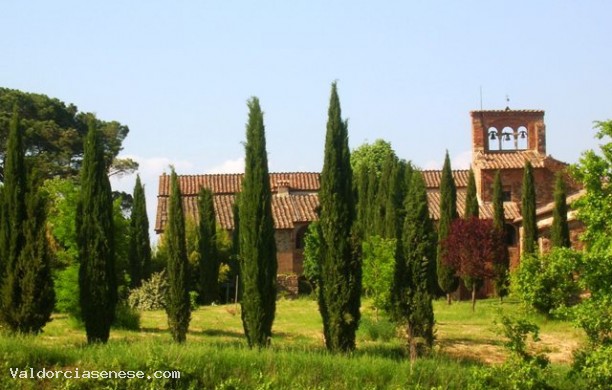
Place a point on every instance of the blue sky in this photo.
(179, 73)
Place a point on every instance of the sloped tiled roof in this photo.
(287, 210)
(513, 160)
(511, 209)
(432, 178)
(231, 183)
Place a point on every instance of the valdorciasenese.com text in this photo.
(76, 373)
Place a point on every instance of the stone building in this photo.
(501, 140)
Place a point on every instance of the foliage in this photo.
(523, 370)
(414, 277)
(447, 279)
(258, 264)
(528, 212)
(595, 366)
(152, 293)
(207, 248)
(139, 254)
(501, 268)
(340, 281)
(66, 283)
(371, 157)
(312, 253)
(126, 317)
(26, 290)
(381, 329)
(95, 241)
(378, 266)
(548, 282)
(471, 198)
(178, 304)
(54, 134)
(471, 248)
(559, 231)
(63, 198)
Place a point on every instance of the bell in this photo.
(507, 137)
(492, 137)
(523, 134)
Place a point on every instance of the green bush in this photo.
(548, 282)
(594, 365)
(67, 291)
(151, 295)
(383, 329)
(126, 318)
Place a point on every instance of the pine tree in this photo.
(95, 242)
(528, 211)
(447, 280)
(178, 305)
(258, 264)
(414, 276)
(501, 266)
(559, 232)
(139, 255)
(207, 248)
(340, 281)
(26, 295)
(471, 199)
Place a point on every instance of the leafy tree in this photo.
(371, 157)
(54, 134)
(258, 263)
(414, 280)
(548, 281)
(340, 282)
(95, 242)
(139, 256)
(207, 248)
(559, 231)
(501, 267)
(528, 211)
(447, 279)
(471, 248)
(378, 263)
(471, 199)
(178, 306)
(27, 295)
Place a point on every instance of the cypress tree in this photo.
(178, 306)
(139, 255)
(340, 280)
(528, 211)
(27, 295)
(95, 241)
(471, 199)
(559, 232)
(447, 280)
(258, 264)
(501, 266)
(414, 276)
(207, 248)
(363, 206)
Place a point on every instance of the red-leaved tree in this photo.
(472, 247)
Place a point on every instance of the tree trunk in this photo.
(412, 345)
(473, 297)
(449, 298)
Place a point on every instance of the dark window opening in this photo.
(510, 235)
(507, 195)
(299, 237)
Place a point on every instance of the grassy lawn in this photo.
(216, 355)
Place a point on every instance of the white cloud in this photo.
(229, 166)
(462, 160)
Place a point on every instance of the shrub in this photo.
(548, 282)
(67, 291)
(126, 318)
(383, 329)
(595, 366)
(151, 295)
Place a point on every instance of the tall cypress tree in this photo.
(95, 241)
(340, 280)
(471, 199)
(178, 306)
(559, 231)
(27, 296)
(528, 211)
(207, 248)
(501, 265)
(447, 280)
(258, 264)
(139, 255)
(414, 277)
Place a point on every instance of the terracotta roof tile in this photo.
(432, 178)
(511, 209)
(508, 160)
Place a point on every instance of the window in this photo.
(299, 237)
(510, 235)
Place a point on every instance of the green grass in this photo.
(216, 355)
